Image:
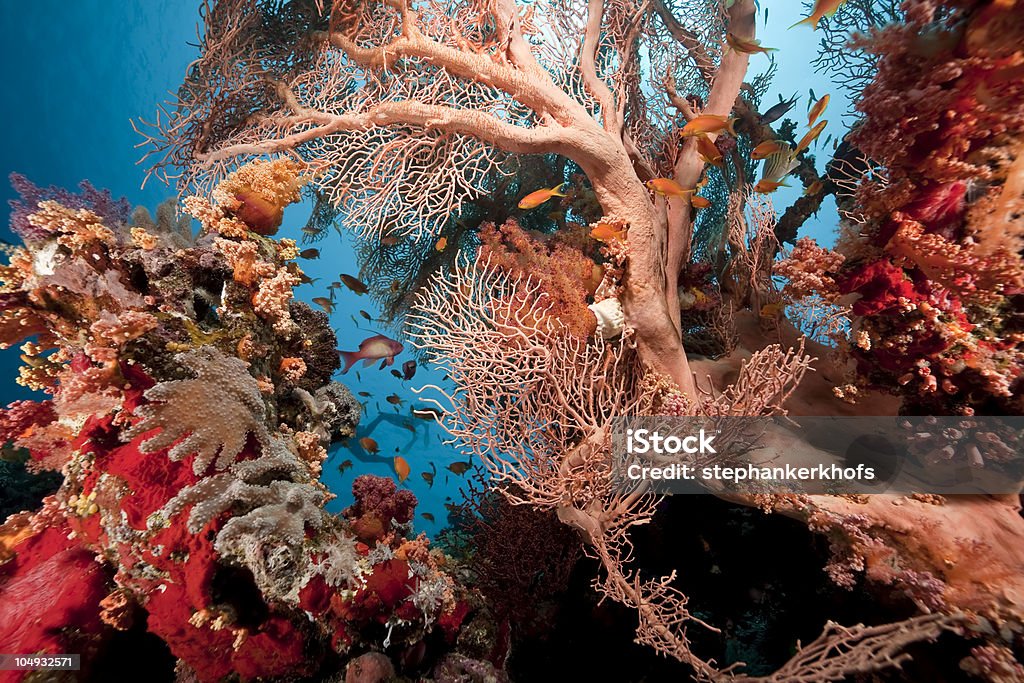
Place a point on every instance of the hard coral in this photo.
(190, 490)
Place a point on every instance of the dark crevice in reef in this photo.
(22, 490)
(133, 655)
(757, 577)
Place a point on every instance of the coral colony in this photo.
(567, 208)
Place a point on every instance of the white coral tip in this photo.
(610, 318)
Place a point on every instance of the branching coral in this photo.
(536, 407)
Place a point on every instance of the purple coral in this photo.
(380, 497)
(101, 202)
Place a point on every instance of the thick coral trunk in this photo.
(690, 166)
(646, 300)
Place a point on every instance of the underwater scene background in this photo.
(195, 490)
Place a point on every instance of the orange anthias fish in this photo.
(708, 151)
(369, 445)
(771, 310)
(708, 123)
(608, 232)
(373, 349)
(766, 149)
(750, 47)
(354, 284)
(698, 202)
(402, 468)
(822, 8)
(441, 244)
(765, 186)
(538, 197)
(817, 110)
(811, 136)
(667, 187)
(814, 188)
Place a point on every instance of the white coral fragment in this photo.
(610, 317)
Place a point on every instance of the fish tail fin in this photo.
(556, 191)
(350, 358)
(811, 21)
(730, 126)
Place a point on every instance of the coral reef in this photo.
(188, 415)
(932, 259)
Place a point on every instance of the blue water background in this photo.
(79, 72)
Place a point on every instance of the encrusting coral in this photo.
(189, 415)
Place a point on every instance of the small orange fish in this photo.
(402, 468)
(608, 232)
(698, 202)
(811, 136)
(667, 187)
(324, 303)
(822, 8)
(394, 399)
(441, 244)
(766, 149)
(390, 241)
(345, 465)
(459, 468)
(354, 284)
(366, 315)
(708, 123)
(817, 110)
(765, 186)
(309, 253)
(427, 516)
(708, 151)
(814, 188)
(771, 310)
(538, 197)
(749, 47)
(369, 445)
(429, 478)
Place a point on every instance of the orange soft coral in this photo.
(566, 275)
